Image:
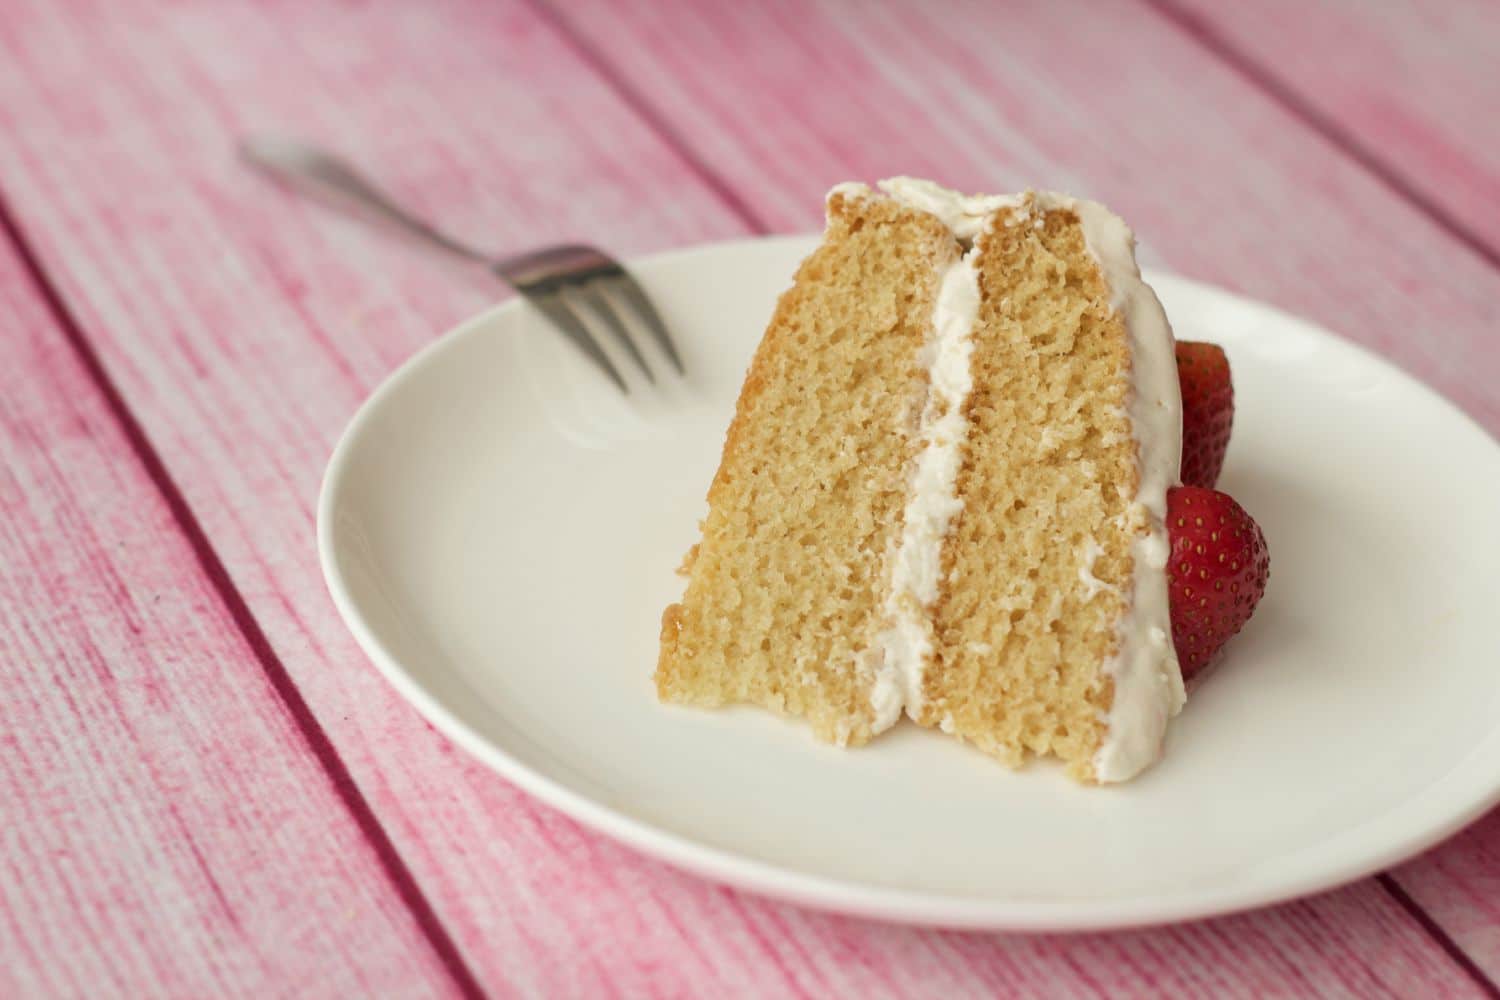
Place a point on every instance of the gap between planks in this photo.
(1435, 931)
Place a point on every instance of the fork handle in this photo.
(321, 175)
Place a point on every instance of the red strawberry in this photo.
(1217, 572)
(1207, 410)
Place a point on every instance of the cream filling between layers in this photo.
(1147, 680)
(933, 502)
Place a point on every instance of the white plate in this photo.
(500, 531)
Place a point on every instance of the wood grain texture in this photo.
(164, 829)
(1412, 87)
(244, 328)
(1458, 885)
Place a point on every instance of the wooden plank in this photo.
(239, 324)
(1412, 87)
(164, 827)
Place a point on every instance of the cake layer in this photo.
(784, 604)
(1039, 570)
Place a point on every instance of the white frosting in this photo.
(1148, 687)
(916, 564)
(850, 189)
(966, 215)
(1147, 679)
(1092, 584)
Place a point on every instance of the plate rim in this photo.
(885, 903)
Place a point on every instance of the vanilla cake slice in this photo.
(942, 493)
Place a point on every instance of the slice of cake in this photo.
(944, 487)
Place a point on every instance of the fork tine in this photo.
(627, 287)
(606, 312)
(553, 307)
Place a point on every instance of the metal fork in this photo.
(561, 281)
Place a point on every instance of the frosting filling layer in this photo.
(906, 642)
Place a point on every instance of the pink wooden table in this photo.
(205, 790)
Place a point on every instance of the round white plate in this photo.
(500, 529)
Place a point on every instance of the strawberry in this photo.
(1207, 410)
(1216, 575)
